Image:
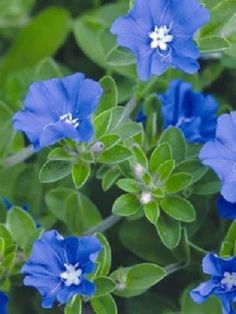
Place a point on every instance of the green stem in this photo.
(129, 108)
(197, 248)
(104, 225)
(172, 268)
(19, 157)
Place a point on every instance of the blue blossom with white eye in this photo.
(58, 109)
(58, 267)
(3, 303)
(160, 35)
(222, 283)
(220, 155)
(227, 210)
(194, 113)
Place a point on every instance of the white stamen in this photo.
(145, 198)
(161, 37)
(72, 275)
(229, 280)
(67, 118)
(182, 120)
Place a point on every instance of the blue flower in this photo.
(194, 113)
(160, 34)
(3, 303)
(227, 210)
(141, 117)
(220, 155)
(58, 109)
(221, 284)
(58, 267)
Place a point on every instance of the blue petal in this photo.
(220, 159)
(189, 16)
(226, 128)
(3, 303)
(86, 288)
(186, 64)
(48, 253)
(211, 265)
(85, 131)
(80, 250)
(88, 98)
(226, 209)
(203, 291)
(56, 132)
(158, 66)
(186, 47)
(228, 190)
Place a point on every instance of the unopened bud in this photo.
(97, 147)
(139, 171)
(145, 198)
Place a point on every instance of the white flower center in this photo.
(145, 198)
(67, 118)
(229, 280)
(72, 275)
(161, 37)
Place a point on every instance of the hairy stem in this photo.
(19, 157)
(172, 268)
(104, 225)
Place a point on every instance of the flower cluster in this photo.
(222, 283)
(58, 109)
(160, 35)
(58, 267)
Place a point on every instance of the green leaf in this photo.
(169, 231)
(178, 208)
(118, 116)
(114, 155)
(6, 236)
(152, 211)
(144, 276)
(165, 169)
(193, 167)
(126, 205)
(128, 185)
(109, 140)
(174, 137)
(58, 153)
(104, 286)
(53, 171)
(102, 122)
(56, 201)
(220, 15)
(104, 258)
(21, 226)
(142, 240)
(110, 177)
(209, 184)
(81, 214)
(177, 182)
(128, 129)
(74, 306)
(136, 279)
(140, 155)
(212, 44)
(36, 35)
(80, 174)
(109, 98)
(161, 154)
(228, 245)
(104, 305)
(119, 56)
